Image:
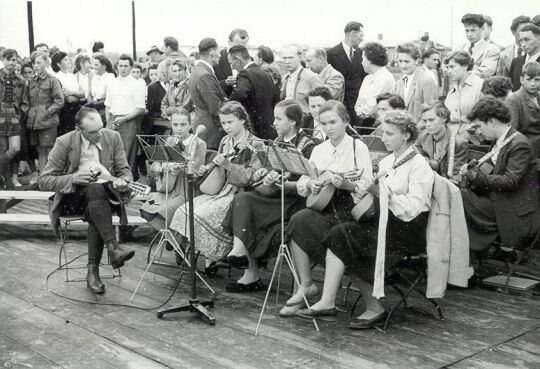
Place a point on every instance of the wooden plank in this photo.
(16, 355)
(25, 195)
(44, 219)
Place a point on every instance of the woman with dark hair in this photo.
(341, 157)
(62, 65)
(45, 99)
(12, 103)
(102, 76)
(236, 164)
(263, 56)
(464, 92)
(254, 218)
(446, 152)
(365, 248)
(497, 86)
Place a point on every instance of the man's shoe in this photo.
(117, 255)
(93, 282)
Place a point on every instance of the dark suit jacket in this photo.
(254, 90)
(65, 158)
(352, 72)
(515, 71)
(223, 70)
(513, 191)
(525, 117)
(207, 97)
(155, 94)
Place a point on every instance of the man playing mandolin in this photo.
(69, 173)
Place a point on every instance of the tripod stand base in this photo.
(194, 306)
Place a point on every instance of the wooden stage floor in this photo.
(482, 329)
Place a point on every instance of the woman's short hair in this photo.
(429, 52)
(376, 54)
(181, 63)
(489, 107)
(9, 53)
(460, 57)
(440, 110)
(98, 45)
(57, 59)
(321, 91)
(182, 112)
(410, 49)
(337, 107)
(79, 60)
(265, 54)
(137, 66)
(292, 110)
(396, 102)
(497, 86)
(403, 121)
(238, 110)
(103, 60)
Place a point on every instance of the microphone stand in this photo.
(194, 305)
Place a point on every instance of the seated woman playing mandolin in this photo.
(499, 191)
(445, 150)
(254, 218)
(161, 207)
(405, 183)
(344, 166)
(235, 165)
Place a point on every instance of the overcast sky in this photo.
(70, 24)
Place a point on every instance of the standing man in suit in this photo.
(529, 39)
(485, 55)
(346, 58)
(254, 91)
(524, 105)
(298, 81)
(416, 87)
(316, 59)
(206, 93)
(225, 74)
(512, 51)
(77, 193)
(496, 203)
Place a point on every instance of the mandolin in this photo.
(320, 200)
(99, 172)
(213, 181)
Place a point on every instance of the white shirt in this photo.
(380, 82)
(339, 159)
(99, 85)
(291, 83)
(69, 82)
(410, 185)
(89, 155)
(125, 94)
(83, 83)
(248, 64)
(498, 145)
(532, 58)
(407, 83)
(347, 49)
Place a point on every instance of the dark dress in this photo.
(255, 218)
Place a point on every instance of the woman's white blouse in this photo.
(410, 185)
(339, 159)
(100, 84)
(69, 82)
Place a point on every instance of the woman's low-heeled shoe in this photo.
(310, 313)
(288, 311)
(300, 297)
(212, 269)
(367, 323)
(236, 287)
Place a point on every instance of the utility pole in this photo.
(30, 26)
(133, 33)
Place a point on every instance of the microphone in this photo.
(191, 150)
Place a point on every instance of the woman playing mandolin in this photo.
(339, 154)
(170, 177)
(237, 171)
(406, 183)
(254, 217)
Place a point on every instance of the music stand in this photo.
(284, 160)
(157, 149)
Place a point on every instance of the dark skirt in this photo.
(355, 244)
(307, 228)
(481, 221)
(256, 220)
(67, 118)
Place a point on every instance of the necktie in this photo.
(351, 55)
(405, 81)
(471, 48)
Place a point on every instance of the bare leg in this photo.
(332, 280)
(13, 151)
(302, 263)
(238, 249)
(251, 274)
(373, 305)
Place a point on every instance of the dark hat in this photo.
(353, 26)
(207, 44)
(152, 49)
